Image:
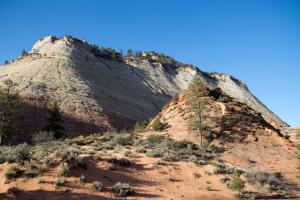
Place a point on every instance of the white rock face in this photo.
(99, 91)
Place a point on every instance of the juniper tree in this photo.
(196, 92)
(129, 53)
(9, 111)
(23, 53)
(54, 121)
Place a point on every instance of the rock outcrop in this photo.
(100, 93)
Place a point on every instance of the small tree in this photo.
(23, 52)
(9, 111)
(121, 52)
(54, 121)
(197, 105)
(6, 62)
(129, 53)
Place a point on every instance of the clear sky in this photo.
(257, 41)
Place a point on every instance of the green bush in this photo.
(124, 140)
(12, 173)
(236, 184)
(155, 139)
(140, 126)
(122, 189)
(157, 125)
(19, 154)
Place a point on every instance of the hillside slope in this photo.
(100, 93)
(166, 164)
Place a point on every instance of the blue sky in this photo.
(257, 41)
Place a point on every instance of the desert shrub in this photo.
(22, 153)
(262, 178)
(60, 182)
(13, 191)
(141, 149)
(181, 110)
(82, 179)
(97, 186)
(19, 154)
(71, 155)
(124, 140)
(33, 170)
(215, 149)
(236, 184)
(122, 162)
(208, 188)
(140, 126)
(221, 168)
(157, 125)
(246, 194)
(196, 175)
(155, 139)
(64, 169)
(199, 161)
(42, 136)
(12, 173)
(178, 145)
(122, 189)
(107, 137)
(171, 150)
(224, 179)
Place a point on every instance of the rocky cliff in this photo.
(99, 89)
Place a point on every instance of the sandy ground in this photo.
(150, 179)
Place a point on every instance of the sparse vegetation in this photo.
(272, 181)
(122, 189)
(106, 53)
(19, 153)
(236, 184)
(157, 125)
(124, 140)
(196, 175)
(12, 173)
(140, 126)
(122, 162)
(171, 150)
(221, 168)
(42, 136)
(33, 170)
